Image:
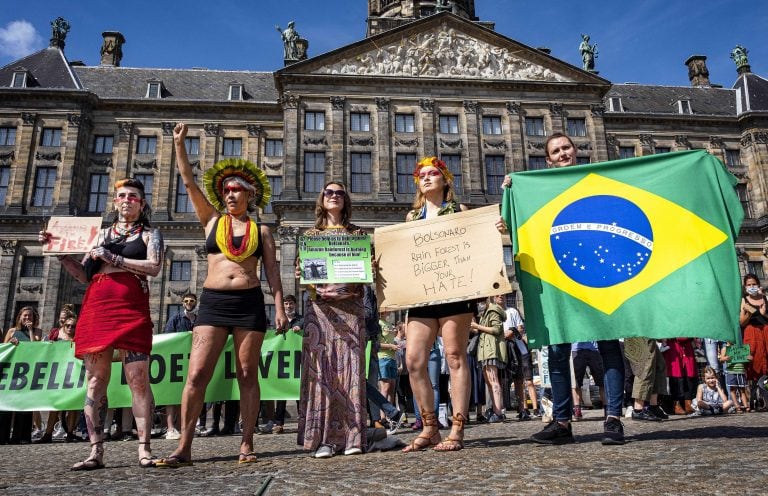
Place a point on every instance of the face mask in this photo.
(753, 290)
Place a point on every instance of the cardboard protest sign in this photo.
(449, 258)
(738, 354)
(72, 235)
(335, 259)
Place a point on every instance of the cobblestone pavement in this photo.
(705, 455)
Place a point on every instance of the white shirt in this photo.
(514, 320)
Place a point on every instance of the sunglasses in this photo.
(339, 193)
(233, 189)
(430, 173)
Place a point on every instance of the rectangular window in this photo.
(5, 177)
(97, 192)
(45, 181)
(269, 309)
(50, 137)
(449, 124)
(453, 162)
(626, 151)
(494, 173)
(508, 257)
(492, 124)
(534, 126)
(614, 104)
(183, 203)
(359, 121)
(273, 148)
(741, 190)
(181, 270)
(233, 147)
(192, 145)
(103, 144)
(276, 183)
(314, 121)
(19, 80)
(684, 106)
(146, 145)
(235, 92)
(662, 149)
(171, 310)
(361, 172)
(405, 163)
(577, 127)
(32, 267)
(154, 90)
(314, 171)
(536, 163)
(7, 136)
(732, 158)
(404, 123)
(756, 268)
(148, 180)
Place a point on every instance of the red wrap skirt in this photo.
(115, 314)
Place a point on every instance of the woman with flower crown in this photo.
(114, 317)
(435, 197)
(231, 300)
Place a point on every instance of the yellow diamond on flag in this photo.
(603, 241)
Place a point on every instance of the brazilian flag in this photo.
(635, 247)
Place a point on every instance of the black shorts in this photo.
(239, 308)
(588, 358)
(443, 310)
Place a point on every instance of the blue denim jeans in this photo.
(433, 368)
(376, 400)
(560, 376)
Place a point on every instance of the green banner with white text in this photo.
(47, 376)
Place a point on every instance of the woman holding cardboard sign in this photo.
(115, 315)
(332, 411)
(435, 197)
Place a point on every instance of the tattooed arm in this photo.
(155, 254)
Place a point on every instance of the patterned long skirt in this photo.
(332, 403)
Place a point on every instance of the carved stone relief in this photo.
(362, 141)
(427, 105)
(30, 288)
(211, 129)
(681, 140)
(168, 128)
(287, 234)
(443, 53)
(254, 130)
(611, 140)
(7, 158)
(53, 156)
(716, 142)
(27, 118)
(289, 101)
(761, 137)
(584, 146)
(74, 119)
(556, 109)
(495, 144)
(382, 104)
(455, 143)
(470, 106)
(8, 246)
(273, 165)
(337, 102)
(145, 164)
(178, 292)
(126, 128)
(536, 145)
(647, 140)
(200, 252)
(315, 140)
(746, 141)
(597, 110)
(101, 162)
(514, 108)
(407, 142)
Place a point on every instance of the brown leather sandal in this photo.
(424, 440)
(452, 443)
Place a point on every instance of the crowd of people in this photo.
(437, 362)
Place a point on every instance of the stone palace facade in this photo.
(428, 79)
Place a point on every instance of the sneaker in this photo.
(628, 413)
(267, 428)
(554, 433)
(577, 415)
(613, 432)
(417, 426)
(494, 419)
(353, 451)
(658, 412)
(480, 419)
(59, 432)
(396, 422)
(200, 431)
(644, 415)
(524, 415)
(536, 413)
(696, 413)
(324, 451)
(173, 434)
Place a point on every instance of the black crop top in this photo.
(135, 249)
(212, 247)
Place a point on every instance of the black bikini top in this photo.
(212, 247)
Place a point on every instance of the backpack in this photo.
(513, 366)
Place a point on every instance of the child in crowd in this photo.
(735, 378)
(710, 397)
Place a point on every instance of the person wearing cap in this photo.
(232, 301)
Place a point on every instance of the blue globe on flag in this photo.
(600, 241)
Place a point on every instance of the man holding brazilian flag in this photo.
(634, 247)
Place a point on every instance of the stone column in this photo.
(597, 132)
(384, 157)
(558, 116)
(161, 209)
(515, 156)
(337, 158)
(647, 144)
(291, 146)
(20, 184)
(287, 236)
(473, 154)
(428, 136)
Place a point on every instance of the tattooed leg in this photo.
(136, 367)
(98, 367)
(135, 356)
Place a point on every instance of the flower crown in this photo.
(432, 162)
